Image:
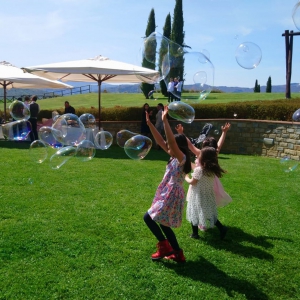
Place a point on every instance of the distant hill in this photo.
(135, 88)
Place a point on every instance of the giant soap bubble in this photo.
(85, 150)
(248, 55)
(296, 15)
(123, 136)
(296, 115)
(199, 73)
(103, 140)
(69, 130)
(181, 111)
(46, 135)
(17, 130)
(61, 156)
(19, 111)
(138, 146)
(38, 151)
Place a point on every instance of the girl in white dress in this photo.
(201, 208)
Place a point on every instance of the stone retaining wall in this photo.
(251, 137)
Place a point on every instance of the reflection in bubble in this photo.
(123, 136)
(288, 164)
(17, 130)
(45, 134)
(38, 151)
(181, 111)
(103, 140)
(248, 55)
(138, 146)
(88, 120)
(19, 111)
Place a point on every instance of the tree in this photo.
(269, 85)
(177, 36)
(146, 87)
(167, 34)
(256, 87)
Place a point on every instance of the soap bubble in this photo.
(216, 132)
(85, 150)
(123, 136)
(88, 120)
(19, 111)
(69, 130)
(296, 15)
(181, 111)
(103, 140)
(46, 135)
(17, 130)
(199, 72)
(38, 151)
(288, 164)
(138, 146)
(296, 115)
(248, 55)
(61, 156)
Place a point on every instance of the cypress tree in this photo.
(146, 87)
(269, 85)
(177, 36)
(255, 87)
(167, 34)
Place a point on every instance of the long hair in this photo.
(183, 146)
(209, 162)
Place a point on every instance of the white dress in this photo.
(201, 207)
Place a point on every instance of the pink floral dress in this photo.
(168, 203)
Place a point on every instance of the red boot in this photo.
(177, 256)
(163, 249)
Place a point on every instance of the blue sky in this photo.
(36, 32)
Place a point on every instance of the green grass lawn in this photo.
(138, 100)
(78, 232)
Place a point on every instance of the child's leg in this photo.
(169, 233)
(153, 226)
(195, 234)
(223, 229)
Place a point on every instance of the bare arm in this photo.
(191, 181)
(157, 136)
(172, 144)
(195, 150)
(221, 140)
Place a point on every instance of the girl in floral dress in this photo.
(168, 204)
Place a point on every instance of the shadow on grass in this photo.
(237, 241)
(206, 272)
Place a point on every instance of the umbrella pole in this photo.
(99, 103)
(4, 96)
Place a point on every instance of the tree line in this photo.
(256, 88)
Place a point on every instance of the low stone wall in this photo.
(251, 137)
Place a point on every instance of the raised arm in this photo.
(172, 144)
(221, 140)
(157, 136)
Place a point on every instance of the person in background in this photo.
(26, 100)
(68, 108)
(178, 87)
(167, 206)
(145, 130)
(170, 90)
(34, 110)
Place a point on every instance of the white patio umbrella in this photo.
(97, 69)
(13, 77)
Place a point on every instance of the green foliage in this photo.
(177, 36)
(145, 87)
(78, 232)
(269, 85)
(256, 87)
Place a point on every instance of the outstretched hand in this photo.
(147, 117)
(165, 113)
(226, 127)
